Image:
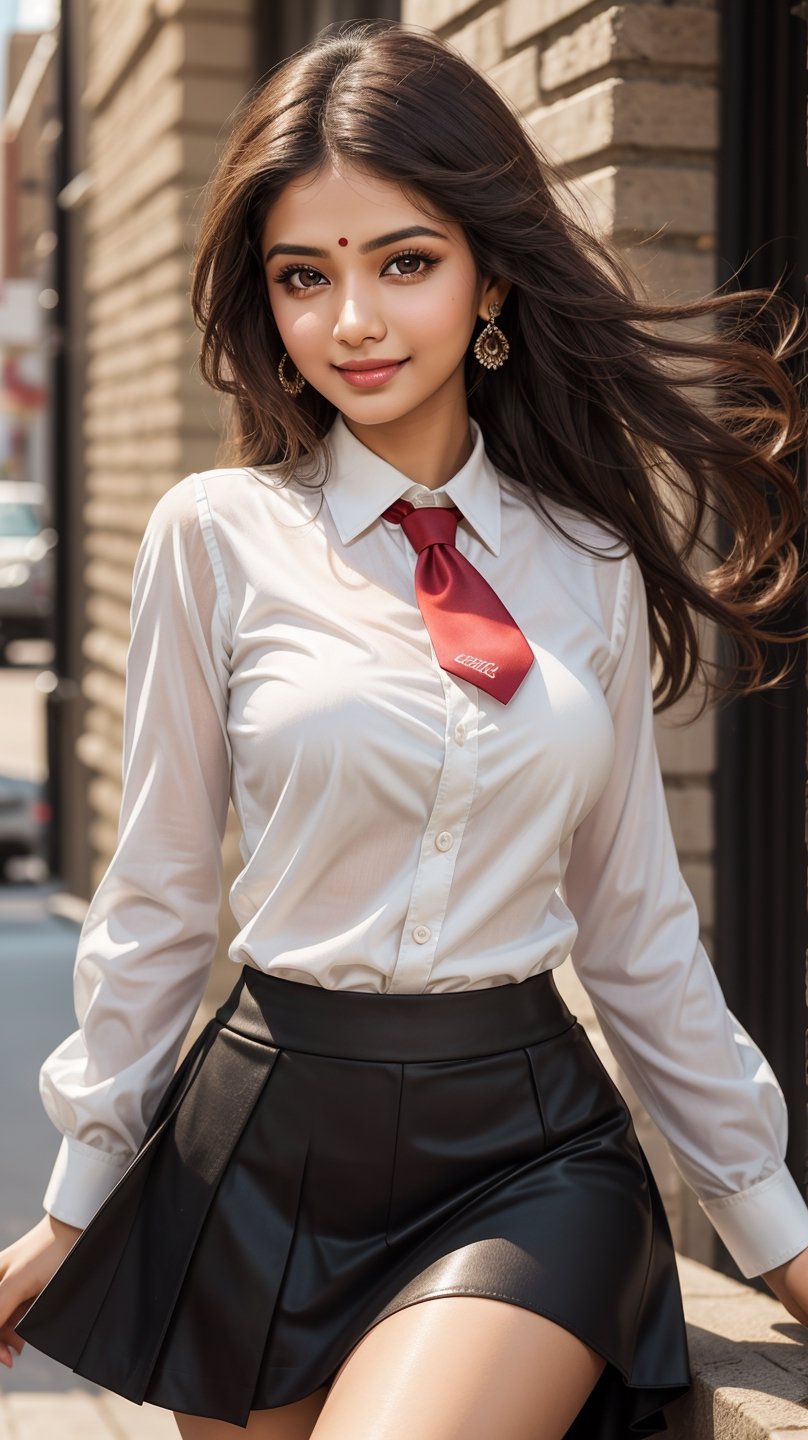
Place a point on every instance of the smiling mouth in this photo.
(372, 376)
(358, 365)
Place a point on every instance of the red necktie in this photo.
(473, 634)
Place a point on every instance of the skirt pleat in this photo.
(323, 1159)
(63, 1315)
(234, 1276)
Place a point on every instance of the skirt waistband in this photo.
(363, 1025)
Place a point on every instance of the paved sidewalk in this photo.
(78, 1415)
(40, 1399)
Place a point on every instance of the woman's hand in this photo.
(789, 1282)
(26, 1266)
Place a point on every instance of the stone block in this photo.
(160, 169)
(117, 33)
(691, 811)
(434, 14)
(666, 115)
(637, 114)
(110, 580)
(578, 53)
(223, 44)
(481, 40)
(104, 760)
(675, 35)
(636, 36)
(589, 198)
(525, 18)
(103, 648)
(517, 77)
(578, 126)
(633, 201)
(211, 101)
(672, 273)
(685, 748)
(676, 199)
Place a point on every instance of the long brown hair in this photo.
(592, 407)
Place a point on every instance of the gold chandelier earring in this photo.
(292, 387)
(491, 347)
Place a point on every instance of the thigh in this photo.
(286, 1422)
(457, 1365)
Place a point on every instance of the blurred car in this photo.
(27, 544)
(24, 818)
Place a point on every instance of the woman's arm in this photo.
(656, 995)
(149, 937)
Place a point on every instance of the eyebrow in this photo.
(284, 249)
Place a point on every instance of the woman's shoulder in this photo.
(235, 497)
(223, 482)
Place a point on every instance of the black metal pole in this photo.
(761, 918)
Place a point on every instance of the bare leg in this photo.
(285, 1422)
(460, 1367)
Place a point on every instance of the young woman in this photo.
(408, 628)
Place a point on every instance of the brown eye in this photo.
(285, 278)
(411, 260)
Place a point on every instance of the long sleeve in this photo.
(654, 990)
(148, 940)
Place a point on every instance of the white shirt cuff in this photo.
(81, 1179)
(762, 1226)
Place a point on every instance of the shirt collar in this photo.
(361, 485)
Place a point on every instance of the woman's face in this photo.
(385, 295)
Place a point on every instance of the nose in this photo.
(358, 320)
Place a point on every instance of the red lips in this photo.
(368, 364)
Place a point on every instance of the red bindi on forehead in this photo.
(342, 240)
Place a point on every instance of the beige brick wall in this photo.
(29, 133)
(624, 96)
(163, 79)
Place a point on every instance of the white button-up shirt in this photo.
(401, 830)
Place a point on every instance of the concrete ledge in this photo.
(749, 1360)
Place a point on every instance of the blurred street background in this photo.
(682, 127)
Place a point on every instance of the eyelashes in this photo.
(429, 263)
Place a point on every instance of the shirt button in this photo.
(444, 841)
(460, 733)
(421, 934)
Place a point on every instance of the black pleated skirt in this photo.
(322, 1158)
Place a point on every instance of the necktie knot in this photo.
(425, 525)
(473, 635)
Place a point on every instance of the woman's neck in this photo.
(429, 450)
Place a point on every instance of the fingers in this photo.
(12, 1306)
(9, 1341)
